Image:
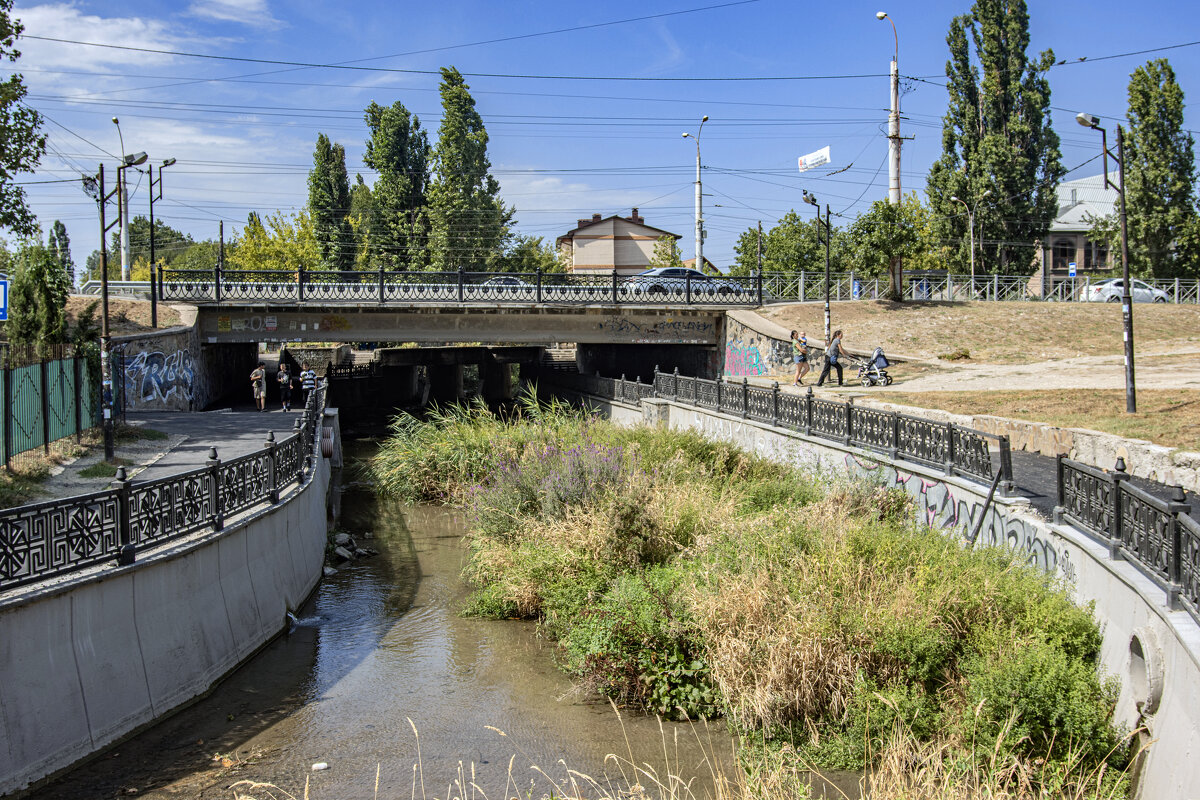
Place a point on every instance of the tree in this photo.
(792, 245)
(468, 223)
(996, 135)
(281, 243)
(169, 244)
(666, 252)
(529, 254)
(201, 255)
(1160, 176)
(60, 245)
(363, 223)
(21, 143)
(883, 237)
(398, 149)
(38, 300)
(329, 206)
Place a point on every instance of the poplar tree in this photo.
(329, 206)
(1160, 176)
(468, 223)
(996, 135)
(60, 243)
(398, 149)
(21, 142)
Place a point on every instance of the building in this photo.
(1069, 238)
(604, 244)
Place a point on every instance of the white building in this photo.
(602, 244)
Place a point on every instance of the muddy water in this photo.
(381, 650)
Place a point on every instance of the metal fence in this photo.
(45, 400)
(1157, 536)
(850, 286)
(54, 537)
(953, 448)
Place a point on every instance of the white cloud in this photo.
(66, 21)
(245, 12)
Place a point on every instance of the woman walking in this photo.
(833, 358)
(258, 382)
(800, 357)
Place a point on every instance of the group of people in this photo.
(833, 357)
(258, 382)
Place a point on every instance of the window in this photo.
(1095, 255)
(1064, 254)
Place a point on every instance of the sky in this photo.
(584, 103)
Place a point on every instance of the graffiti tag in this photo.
(155, 377)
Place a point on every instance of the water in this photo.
(378, 651)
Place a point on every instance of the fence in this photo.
(51, 538)
(849, 286)
(45, 399)
(1157, 536)
(953, 448)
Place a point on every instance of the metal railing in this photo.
(44, 400)
(952, 448)
(1156, 536)
(42, 540)
(384, 287)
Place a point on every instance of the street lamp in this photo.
(811, 199)
(1089, 121)
(123, 206)
(153, 268)
(699, 202)
(893, 119)
(971, 227)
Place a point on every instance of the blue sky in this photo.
(562, 147)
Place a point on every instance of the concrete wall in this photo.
(758, 347)
(1159, 675)
(88, 659)
(171, 370)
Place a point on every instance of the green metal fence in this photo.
(45, 400)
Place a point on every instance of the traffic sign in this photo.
(3, 301)
(1071, 269)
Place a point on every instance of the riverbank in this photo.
(682, 576)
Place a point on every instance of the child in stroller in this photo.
(874, 370)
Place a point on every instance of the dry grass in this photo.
(1001, 333)
(1170, 418)
(124, 315)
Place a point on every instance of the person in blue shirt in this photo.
(800, 357)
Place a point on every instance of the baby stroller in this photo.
(874, 370)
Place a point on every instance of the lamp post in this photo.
(811, 199)
(893, 119)
(1089, 121)
(153, 263)
(971, 227)
(123, 206)
(699, 202)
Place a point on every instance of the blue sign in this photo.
(1071, 270)
(3, 301)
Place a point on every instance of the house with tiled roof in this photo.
(1069, 238)
(603, 244)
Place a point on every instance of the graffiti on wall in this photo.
(666, 331)
(749, 353)
(154, 377)
(941, 507)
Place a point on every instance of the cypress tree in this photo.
(996, 135)
(468, 223)
(398, 149)
(329, 206)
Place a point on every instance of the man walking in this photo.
(285, 386)
(308, 381)
(258, 383)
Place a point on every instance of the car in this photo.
(506, 281)
(679, 280)
(1109, 291)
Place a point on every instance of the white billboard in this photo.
(817, 159)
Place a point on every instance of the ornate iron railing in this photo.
(957, 450)
(42, 540)
(1157, 536)
(383, 287)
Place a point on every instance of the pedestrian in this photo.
(833, 358)
(258, 382)
(308, 381)
(285, 386)
(800, 357)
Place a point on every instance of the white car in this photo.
(1110, 291)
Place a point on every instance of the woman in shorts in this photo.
(800, 357)
(258, 382)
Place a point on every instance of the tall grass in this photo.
(686, 577)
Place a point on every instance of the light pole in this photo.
(1089, 121)
(123, 207)
(811, 199)
(699, 202)
(893, 119)
(153, 267)
(971, 227)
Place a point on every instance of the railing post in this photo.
(894, 450)
(849, 419)
(675, 385)
(127, 550)
(758, 280)
(1116, 534)
(272, 479)
(539, 285)
(215, 498)
(1178, 508)
(775, 403)
(949, 448)
(217, 283)
(1176, 290)
(995, 287)
(687, 287)
(44, 377)
(8, 410)
(300, 284)
(745, 397)
(461, 284)
(1061, 488)
(381, 295)
(78, 373)
(808, 400)
(298, 428)
(800, 290)
(614, 287)
(1006, 479)
(720, 383)
(949, 286)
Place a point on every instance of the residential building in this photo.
(604, 244)
(1069, 238)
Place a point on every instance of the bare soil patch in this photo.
(124, 314)
(998, 333)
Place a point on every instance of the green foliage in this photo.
(666, 252)
(169, 245)
(24, 144)
(996, 135)
(284, 243)
(329, 206)
(393, 231)
(468, 223)
(38, 298)
(887, 235)
(792, 245)
(1160, 176)
(529, 254)
(199, 255)
(60, 245)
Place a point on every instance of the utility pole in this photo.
(894, 194)
(699, 202)
(811, 199)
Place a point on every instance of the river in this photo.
(378, 651)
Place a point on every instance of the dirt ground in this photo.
(124, 315)
(1000, 333)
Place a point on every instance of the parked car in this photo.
(677, 281)
(506, 281)
(1109, 291)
